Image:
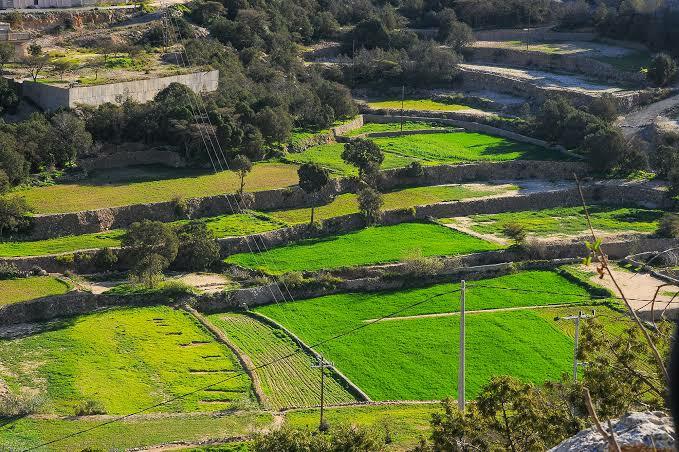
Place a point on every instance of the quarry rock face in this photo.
(634, 432)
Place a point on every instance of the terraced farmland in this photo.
(416, 104)
(288, 383)
(568, 220)
(431, 149)
(399, 199)
(373, 127)
(17, 290)
(421, 344)
(115, 189)
(368, 246)
(124, 360)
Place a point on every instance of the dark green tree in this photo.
(370, 204)
(152, 246)
(364, 155)
(68, 137)
(662, 70)
(241, 165)
(312, 179)
(198, 249)
(14, 211)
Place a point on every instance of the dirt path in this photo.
(637, 120)
(477, 311)
(637, 287)
(464, 224)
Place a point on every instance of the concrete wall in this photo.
(16, 4)
(49, 97)
(552, 62)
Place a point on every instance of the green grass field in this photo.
(135, 185)
(330, 156)
(125, 359)
(461, 147)
(409, 197)
(373, 127)
(406, 353)
(430, 149)
(130, 433)
(22, 289)
(289, 383)
(368, 246)
(571, 220)
(416, 104)
(221, 226)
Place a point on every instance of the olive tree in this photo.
(312, 179)
(153, 246)
(364, 155)
(242, 165)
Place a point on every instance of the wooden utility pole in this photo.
(460, 370)
(577, 319)
(322, 364)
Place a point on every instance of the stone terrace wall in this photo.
(56, 225)
(478, 80)
(552, 62)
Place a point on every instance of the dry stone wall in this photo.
(57, 225)
(552, 62)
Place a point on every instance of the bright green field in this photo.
(571, 220)
(417, 358)
(130, 433)
(221, 226)
(135, 185)
(125, 359)
(22, 289)
(373, 127)
(416, 104)
(329, 156)
(368, 246)
(458, 147)
(430, 149)
(289, 383)
(410, 197)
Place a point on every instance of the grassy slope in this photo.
(368, 246)
(394, 127)
(22, 289)
(329, 156)
(125, 359)
(290, 383)
(460, 147)
(131, 433)
(221, 226)
(430, 149)
(117, 191)
(416, 104)
(406, 353)
(571, 220)
(409, 197)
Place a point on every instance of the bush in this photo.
(418, 265)
(662, 69)
(515, 232)
(292, 280)
(89, 408)
(198, 249)
(415, 169)
(180, 207)
(9, 271)
(669, 226)
(105, 259)
(13, 405)
(370, 204)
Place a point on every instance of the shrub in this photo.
(370, 204)
(180, 207)
(662, 69)
(292, 280)
(12, 405)
(105, 259)
(198, 249)
(14, 212)
(9, 270)
(415, 169)
(669, 226)
(89, 408)
(515, 232)
(418, 265)
(65, 259)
